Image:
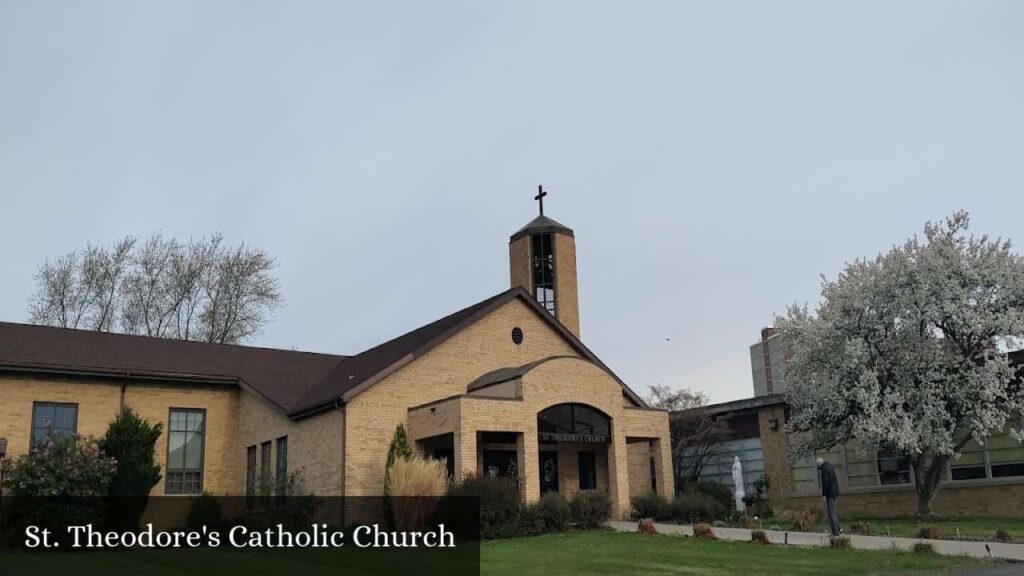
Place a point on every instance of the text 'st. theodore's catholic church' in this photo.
(503, 387)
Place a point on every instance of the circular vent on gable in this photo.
(517, 335)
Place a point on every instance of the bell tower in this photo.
(542, 258)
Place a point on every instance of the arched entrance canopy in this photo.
(573, 423)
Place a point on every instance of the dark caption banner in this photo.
(290, 536)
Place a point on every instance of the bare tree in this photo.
(201, 290)
(696, 433)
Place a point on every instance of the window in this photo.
(999, 456)
(282, 464)
(266, 466)
(893, 468)
(588, 471)
(250, 471)
(543, 265)
(573, 423)
(1005, 453)
(52, 419)
(185, 451)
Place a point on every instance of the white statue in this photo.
(737, 480)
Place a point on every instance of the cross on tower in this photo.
(540, 198)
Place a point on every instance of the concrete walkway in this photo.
(947, 547)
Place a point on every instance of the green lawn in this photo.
(621, 553)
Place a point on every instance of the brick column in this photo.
(618, 475)
(528, 455)
(465, 452)
(661, 452)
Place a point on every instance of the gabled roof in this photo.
(297, 383)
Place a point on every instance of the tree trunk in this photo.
(928, 470)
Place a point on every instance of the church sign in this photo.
(568, 437)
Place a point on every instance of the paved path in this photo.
(947, 547)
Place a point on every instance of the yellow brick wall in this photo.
(220, 464)
(314, 444)
(445, 371)
(639, 454)
(519, 263)
(567, 306)
(556, 381)
(99, 401)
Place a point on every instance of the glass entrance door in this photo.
(548, 472)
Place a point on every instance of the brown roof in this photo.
(298, 383)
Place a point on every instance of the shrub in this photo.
(531, 520)
(696, 507)
(499, 503)
(923, 548)
(840, 543)
(555, 511)
(398, 450)
(862, 528)
(64, 466)
(646, 526)
(930, 532)
(719, 492)
(801, 520)
(590, 508)
(131, 441)
(746, 522)
(650, 505)
(1003, 536)
(760, 537)
(704, 532)
(205, 511)
(56, 485)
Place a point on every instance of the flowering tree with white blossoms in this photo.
(905, 352)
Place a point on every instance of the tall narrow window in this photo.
(266, 469)
(52, 419)
(282, 465)
(544, 271)
(250, 471)
(588, 471)
(185, 451)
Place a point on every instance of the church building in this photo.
(504, 387)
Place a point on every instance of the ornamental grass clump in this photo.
(840, 543)
(930, 532)
(862, 528)
(923, 548)
(416, 487)
(704, 532)
(1003, 536)
(760, 537)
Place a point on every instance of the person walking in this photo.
(830, 490)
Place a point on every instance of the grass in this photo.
(623, 553)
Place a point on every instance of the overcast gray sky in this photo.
(713, 158)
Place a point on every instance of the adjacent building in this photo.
(505, 386)
(988, 480)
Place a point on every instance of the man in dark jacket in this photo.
(830, 490)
